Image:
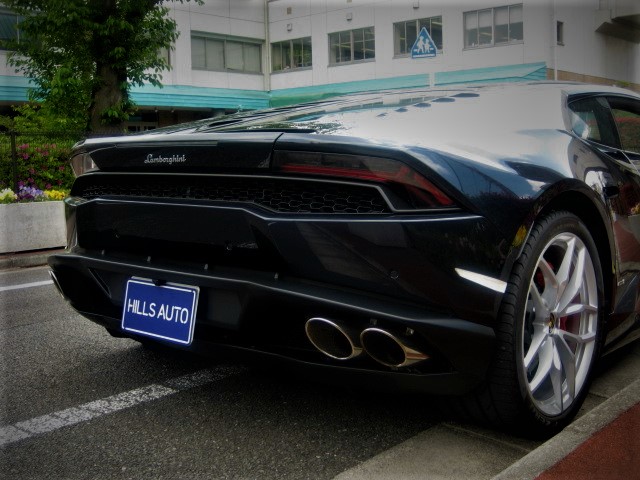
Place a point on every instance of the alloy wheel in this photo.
(560, 324)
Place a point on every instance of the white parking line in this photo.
(88, 411)
(26, 285)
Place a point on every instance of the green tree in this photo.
(84, 55)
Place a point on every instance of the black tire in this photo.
(548, 338)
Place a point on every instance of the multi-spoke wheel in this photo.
(560, 324)
(548, 333)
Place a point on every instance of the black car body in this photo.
(395, 235)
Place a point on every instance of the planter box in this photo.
(32, 226)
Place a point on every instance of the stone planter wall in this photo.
(32, 226)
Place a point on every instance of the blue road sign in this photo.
(423, 47)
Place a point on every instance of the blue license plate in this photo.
(165, 312)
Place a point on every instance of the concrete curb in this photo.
(26, 259)
(551, 452)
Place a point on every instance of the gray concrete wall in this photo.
(31, 226)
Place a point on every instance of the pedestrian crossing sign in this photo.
(423, 47)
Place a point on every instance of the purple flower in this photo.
(29, 193)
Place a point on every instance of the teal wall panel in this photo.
(318, 92)
(180, 96)
(510, 73)
(14, 89)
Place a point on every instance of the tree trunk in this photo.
(107, 92)
(107, 95)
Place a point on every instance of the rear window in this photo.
(592, 120)
(626, 113)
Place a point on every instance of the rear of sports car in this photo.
(328, 251)
(456, 242)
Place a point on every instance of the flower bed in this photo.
(30, 194)
(37, 164)
(32, 226)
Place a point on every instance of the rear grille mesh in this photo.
(278, 195)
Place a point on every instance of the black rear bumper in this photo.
(262, 313)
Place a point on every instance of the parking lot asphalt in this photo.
(602, 443)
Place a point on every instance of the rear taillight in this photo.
(401, 179)
(82, 163)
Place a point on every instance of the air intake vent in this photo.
(278, 195)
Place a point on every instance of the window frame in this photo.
(352, 44)
(467, 45)
(292, 54)
(397, 53)
(227, 40)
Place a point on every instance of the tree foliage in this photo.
(33, 117)
(84, 55)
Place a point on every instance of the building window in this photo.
(291, 54)
(406, 33)
(560, 33)
(352, 46)
(8, 27)
(225, 54)
(165, 54)
(493, 26)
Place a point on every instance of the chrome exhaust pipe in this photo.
(390, 349)
(334, 340)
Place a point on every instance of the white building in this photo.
(246, 54)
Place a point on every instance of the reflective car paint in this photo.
(432, 271)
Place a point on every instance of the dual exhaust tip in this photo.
(342, 342)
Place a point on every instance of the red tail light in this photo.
(418, 191)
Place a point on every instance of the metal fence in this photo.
(36, 159)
